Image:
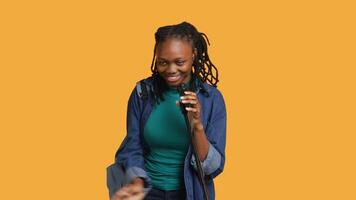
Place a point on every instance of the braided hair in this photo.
(203, 68)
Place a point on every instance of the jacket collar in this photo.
(200, 86)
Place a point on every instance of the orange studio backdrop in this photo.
(286, 69)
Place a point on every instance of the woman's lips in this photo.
(172, 78)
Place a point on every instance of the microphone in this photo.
(181, 89)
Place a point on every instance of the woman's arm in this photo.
(130, 154)
(210, 151)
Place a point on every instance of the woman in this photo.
(157, 151)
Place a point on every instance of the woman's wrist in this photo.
(198, 127)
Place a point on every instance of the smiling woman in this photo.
(181, 45)
(157, 151)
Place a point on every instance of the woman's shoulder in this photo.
(147, 80)
(212, 90)
(143, 87)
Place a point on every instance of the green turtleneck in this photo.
(168, 140)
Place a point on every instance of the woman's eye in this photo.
(180, 62)
(162, 63)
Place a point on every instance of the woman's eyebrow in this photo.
(159, 58)
(179, 58)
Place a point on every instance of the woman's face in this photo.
(174, 61)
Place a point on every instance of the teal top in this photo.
(167, 137)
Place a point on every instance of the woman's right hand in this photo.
(133, 191)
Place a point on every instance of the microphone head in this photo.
(182, 88)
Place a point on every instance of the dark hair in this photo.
(203, 68)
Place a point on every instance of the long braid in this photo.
(203, 68)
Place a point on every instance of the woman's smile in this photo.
(172, 78)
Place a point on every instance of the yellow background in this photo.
(287, 71)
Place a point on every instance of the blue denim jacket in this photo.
(213, 115)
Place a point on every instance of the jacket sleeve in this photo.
(130, 153)
(214, 163)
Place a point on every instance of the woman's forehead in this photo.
(174, 48)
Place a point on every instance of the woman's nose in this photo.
(171, 68)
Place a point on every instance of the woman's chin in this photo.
(173, 84)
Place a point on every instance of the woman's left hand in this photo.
(194, 109)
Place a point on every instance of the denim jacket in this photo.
(213, 115)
